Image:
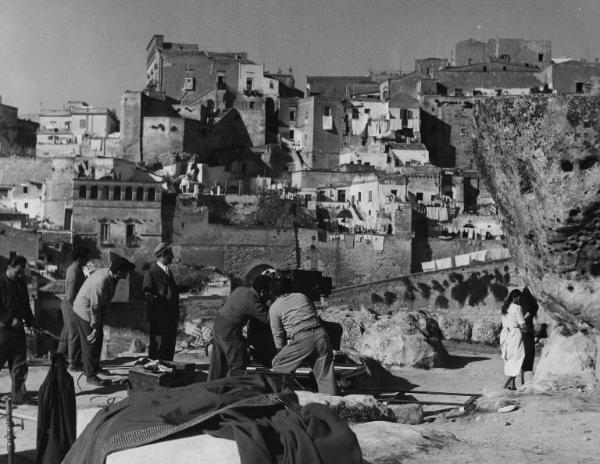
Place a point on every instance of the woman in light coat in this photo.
(511, 339)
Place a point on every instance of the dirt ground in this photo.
(557, 427)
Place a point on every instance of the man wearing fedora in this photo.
(162, 294)
(89, 307)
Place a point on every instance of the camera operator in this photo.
(229, 354)
(299, 335)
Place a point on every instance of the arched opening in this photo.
(345, 221)
(139, 194)
(128, 193)
(94, 193)
(151, 194)
(104, 193)
(82, 192)
(117, 193)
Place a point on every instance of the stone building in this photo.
(17, 136)
(26, 198)
(537, 53)
(569, 76)
(63, 132)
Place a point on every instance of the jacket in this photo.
(162, 295)
(74, 279)
(94, 297)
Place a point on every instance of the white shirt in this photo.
(164, 267)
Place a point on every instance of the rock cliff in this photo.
(540, 157)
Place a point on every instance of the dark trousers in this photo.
(228, 356)
(70, 345)
(311, 347)
(90, 352)
(162, 341)
(13, 350)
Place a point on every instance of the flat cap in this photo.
(161, 248)
(121, 264)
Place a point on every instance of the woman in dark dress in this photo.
(529, 306)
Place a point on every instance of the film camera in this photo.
(312, 283)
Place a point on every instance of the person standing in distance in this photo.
(15, 313)
(89, 307)
(162, 295)
(69, 345)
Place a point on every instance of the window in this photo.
(470, 61)
(82, 192)
(94, 193)
(251, 104)
(485, 69)
(540, 57)
(105, 190)
(370, 196)
(291, 135)
(419, 196)
(355, 114)
(82, 124)
(394, 192)
(271, 85)
(359, 196)
(503, 68)
(139, 194)
(151, 194)
(117, 194)
(104, 232)
(292, 115)
(221, 82)
(306, 115)
(341, 196)
(327, 111)
(367, 110)
(505, 57)
(26, 205)
(433, 197)
(189, 83)
(128, 194)
(579, 87)
(248, 83)
(458, 92)
(130, 235)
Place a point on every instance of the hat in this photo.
(161, 249)
(121, 264)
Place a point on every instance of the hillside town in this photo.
(373, 183)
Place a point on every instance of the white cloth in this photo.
(462, 260)
(378, 242)
(479, 255)
(428, 266)
(511, 340)
(164, 267)
(327, 122)
(444, 263)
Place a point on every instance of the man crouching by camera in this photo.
(299, 335)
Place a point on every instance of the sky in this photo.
(94, 50)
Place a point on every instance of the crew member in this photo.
(15, 312)
(162, 295)
(69, 345)
(299, 335)
(229, 357)
(89, 307)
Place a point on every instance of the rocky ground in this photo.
(546, 427)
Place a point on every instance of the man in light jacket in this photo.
(89, 306)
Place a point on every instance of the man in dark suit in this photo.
(162, 295)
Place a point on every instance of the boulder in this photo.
(454, 328)
(486, 332)
(385, 442)
(404, 339)
(407, 413)
(539, 158)
(569, 360)
(353, 323)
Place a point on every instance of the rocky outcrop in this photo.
(540, 158)
(404, 339)
(353, 323)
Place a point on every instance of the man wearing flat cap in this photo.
(89, 307)
(162, 294)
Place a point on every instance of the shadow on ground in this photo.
(458, 362)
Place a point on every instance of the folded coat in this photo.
(264, 420)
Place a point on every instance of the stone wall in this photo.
(21, 242)
(470, 297)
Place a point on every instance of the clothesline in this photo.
(466, 259)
